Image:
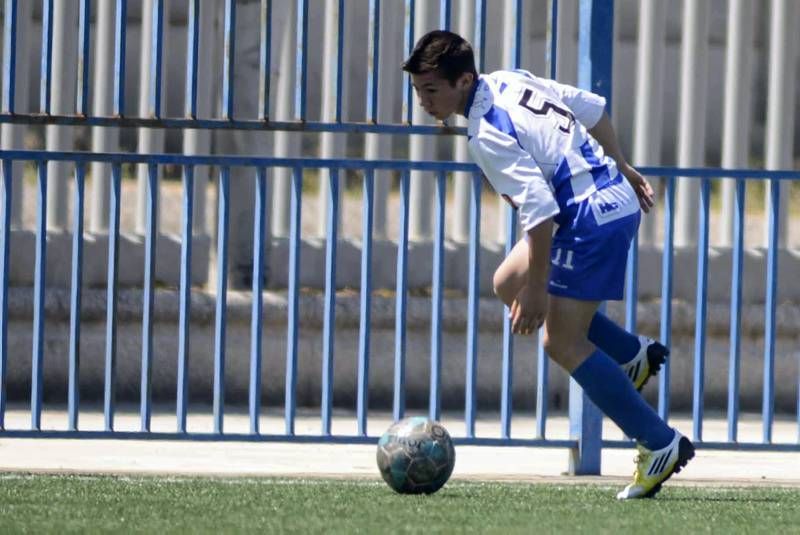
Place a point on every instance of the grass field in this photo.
(58, 504)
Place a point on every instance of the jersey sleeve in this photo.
(587, 107)
(515, 175)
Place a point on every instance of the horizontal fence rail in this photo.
(259, 165)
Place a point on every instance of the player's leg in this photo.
(567, 344)
(639, 356)
(510, 276)
(663, 451)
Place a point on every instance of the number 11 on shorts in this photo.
(556, 260)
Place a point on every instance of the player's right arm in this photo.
(516, 176)
(529, 308)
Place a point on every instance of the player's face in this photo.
(438, 97)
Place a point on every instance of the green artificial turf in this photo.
(58, 504)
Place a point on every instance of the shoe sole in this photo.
(656, 357)
(685, 454)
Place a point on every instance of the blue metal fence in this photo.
(595, 69)
(258, 167)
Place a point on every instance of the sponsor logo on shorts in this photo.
(608, 207)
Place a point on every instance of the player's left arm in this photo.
(604, 133)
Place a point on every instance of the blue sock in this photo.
(615, 341)
(613, 393)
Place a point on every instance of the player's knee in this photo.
(500, 285)
(560, 348)
(553, 345)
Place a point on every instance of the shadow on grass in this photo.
(717, 499)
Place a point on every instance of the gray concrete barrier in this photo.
(165, 344)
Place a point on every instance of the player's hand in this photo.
(641, 186)
(529, 309)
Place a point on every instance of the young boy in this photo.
(550, 151)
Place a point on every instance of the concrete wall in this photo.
(382, 351)
(348, 266)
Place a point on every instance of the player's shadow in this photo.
(720, 499)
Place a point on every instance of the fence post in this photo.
(596, 39)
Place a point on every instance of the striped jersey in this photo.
(529, 137)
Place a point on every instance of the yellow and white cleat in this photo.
(655, 467)
(646, 363)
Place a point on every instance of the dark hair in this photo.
(445, 52)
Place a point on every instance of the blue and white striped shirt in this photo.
(529, 137)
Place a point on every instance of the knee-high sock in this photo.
(613, 393)
(615, 341)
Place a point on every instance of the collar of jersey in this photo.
(471, 96)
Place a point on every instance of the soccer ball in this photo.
(416, 455)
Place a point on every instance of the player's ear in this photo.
(465, 81)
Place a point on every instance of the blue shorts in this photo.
(590, 250)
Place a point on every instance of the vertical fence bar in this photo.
(119, 57)
(256, 322)
(340, 59)
(373, 67)
(47, 56)
(542, 385)
(437, 284)
(301, 65)
(736, 313)
(151, 237)
(329, 327)
(84, 38)
(595, 49)
(470, 386)
(632, 285)
(507, 390)
(266, 60)
(552, 45)
(480, 33)
(5, 236)
(516, 53)
(408, 93)
(111, 297)
(770, 323)
(228, 59)
(192, 48)
(293, 290)
(399, 403)
(9, 56)
(220, 322)
(37, 367)
(665, 333)
(73, 389)
(366, 301)
(542, 362)
(445, 14)
(182, 402)
(700, 312)
(156, 55)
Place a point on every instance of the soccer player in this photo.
(551, 152)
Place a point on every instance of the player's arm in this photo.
(529, 309)
(589, 109)
(515, 175)
(604, 133)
